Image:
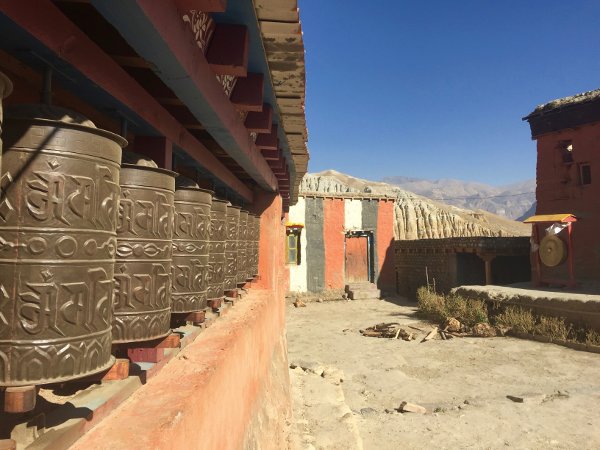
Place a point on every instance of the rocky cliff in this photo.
(418, 217)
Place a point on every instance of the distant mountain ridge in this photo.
(512, 200)
(416, 217)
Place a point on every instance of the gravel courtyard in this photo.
(347, 387)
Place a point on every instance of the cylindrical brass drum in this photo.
(241, 250)
(5, 90)
(216, 253)
(251, 223)
(142, 307)
(231, 243)
(58, 208)
(190, 249)
(255, 241)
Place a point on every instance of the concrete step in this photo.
(364, 294)
(364, 286)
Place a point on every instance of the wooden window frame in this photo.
(297, 233)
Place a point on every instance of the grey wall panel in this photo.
(370, 210)
(315, 248)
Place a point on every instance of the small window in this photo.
(585, 173)
(566, 151)
(293, 246)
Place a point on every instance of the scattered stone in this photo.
(451, 324)
(319, 300)
(411, 407)
(556, 395)
(368, 411)
(308, 366)
(333, 374)
(299, 303)
(484, 330)
(527, 398)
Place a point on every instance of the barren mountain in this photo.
(511, 200)
(417, 217)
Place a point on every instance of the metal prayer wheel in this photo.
(189, 269)
(255, 241)
(241, 250)
(58, 208)
(5, 90)
(231, 245)
(250, 250)
(142, 306)
(216, 253)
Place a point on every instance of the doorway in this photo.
(359, 255)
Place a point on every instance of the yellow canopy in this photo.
(551, 218)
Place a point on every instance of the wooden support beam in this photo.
(19, 399)
(208, 6)
(158, 148)
(268, 141)
(271, 155)
(260, 122)
(49, 25)
(132, 61)
(228, 50)
(248, 93)
(170, 101)
(119, 370)
(154, 29)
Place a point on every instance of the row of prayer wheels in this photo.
(100, 247)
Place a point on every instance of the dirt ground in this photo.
(464, 384)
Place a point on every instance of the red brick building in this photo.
(567, 132)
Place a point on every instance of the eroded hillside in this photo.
(417, 217)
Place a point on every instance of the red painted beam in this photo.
(167, 21)
(271, 155)
(48, 24)
(228, 50)
(268, 141)
(208, 6)
(260, 122)
(248, 93)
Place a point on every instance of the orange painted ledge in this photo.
(208, 395)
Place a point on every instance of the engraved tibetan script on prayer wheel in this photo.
(58, 207)
(231, 244)
(255, 240)
(216, 253)
(241, 250)
(142, 307)
(190, 249)
(251, 223)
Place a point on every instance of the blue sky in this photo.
(437, 89)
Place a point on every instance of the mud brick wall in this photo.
(413, 267)
(455, 261)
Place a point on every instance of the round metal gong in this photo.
(553, 251)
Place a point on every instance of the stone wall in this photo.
(447, 263)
